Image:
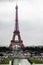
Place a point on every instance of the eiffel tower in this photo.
(16, 33)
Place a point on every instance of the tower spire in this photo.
(16, 19)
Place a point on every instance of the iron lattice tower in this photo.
(16, 33)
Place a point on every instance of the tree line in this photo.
(30, 49)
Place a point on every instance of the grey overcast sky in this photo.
(30, 13)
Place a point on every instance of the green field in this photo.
(31, 60)
(36, 61)
(4, 61)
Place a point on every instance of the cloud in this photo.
(30, 21)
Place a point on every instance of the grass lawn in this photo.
(36, 61)
(4, 61)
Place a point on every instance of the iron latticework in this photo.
(16, 33)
